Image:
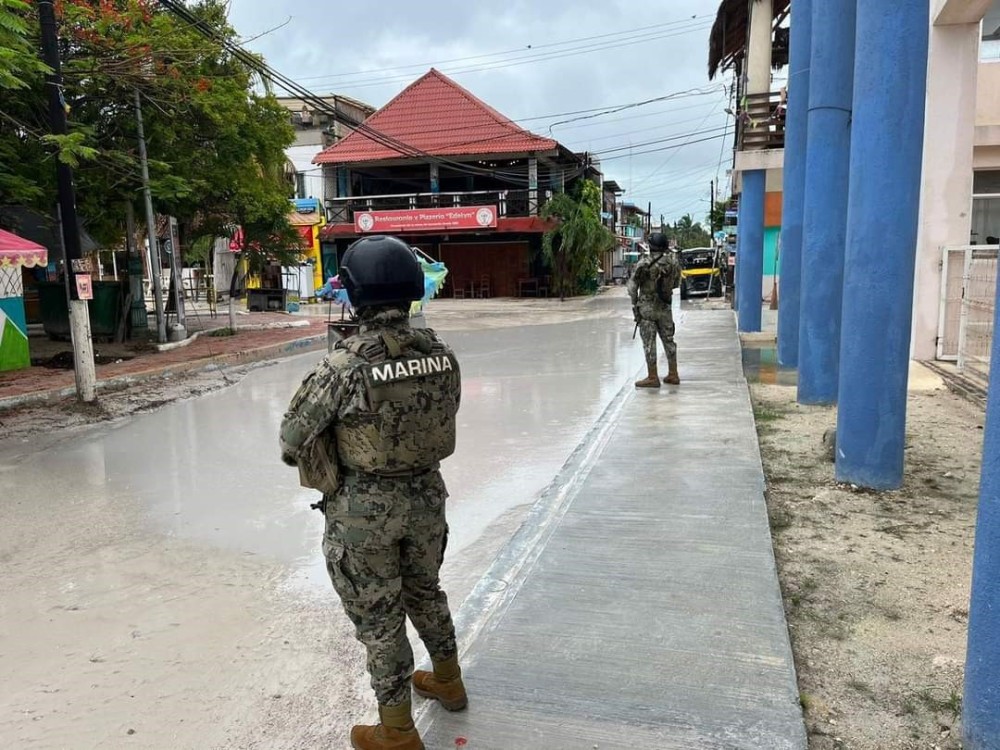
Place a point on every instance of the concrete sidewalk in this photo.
(638, 605)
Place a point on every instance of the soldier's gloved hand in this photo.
(635, 314)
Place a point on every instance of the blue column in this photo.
(824, 218)
(890, 83)
(750, 258)
(790, 261)
(980, 717)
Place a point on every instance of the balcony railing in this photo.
(508, 202)
(762, 121)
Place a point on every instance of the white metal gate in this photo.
(968, 293)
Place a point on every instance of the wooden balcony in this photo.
(762, 122)
(508, 202)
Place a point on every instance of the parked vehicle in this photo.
(701, 272)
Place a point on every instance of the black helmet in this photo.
(658, 241)
(381, 270)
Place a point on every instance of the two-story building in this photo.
(451, 175)
(315, 129)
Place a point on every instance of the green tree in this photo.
(216, 145)
(19, 61)
(689, 233)
(574, 245)
(717, 215)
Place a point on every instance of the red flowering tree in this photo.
(216, 145)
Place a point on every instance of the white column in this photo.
(532, 186)
(946, 190)
(759, 47)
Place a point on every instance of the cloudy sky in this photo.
(535, 61)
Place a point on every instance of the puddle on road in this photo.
(760, 365)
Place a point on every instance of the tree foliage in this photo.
(215, 142)
(689, 233)
(717, 215)
(19, 60)
(573, 247)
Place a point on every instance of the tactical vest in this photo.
(411, 399)
(656, 281)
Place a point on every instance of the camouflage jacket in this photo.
(653, 280)
(335, 395)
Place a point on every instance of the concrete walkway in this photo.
(638, 606)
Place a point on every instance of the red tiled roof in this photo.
(438, 117)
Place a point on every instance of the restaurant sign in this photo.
(426, 219)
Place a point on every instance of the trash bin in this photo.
(54, 309)
(105, 309)
(266, 300)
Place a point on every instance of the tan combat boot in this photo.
(672, 377)
(652, 379)
(395, 732)
(444, 685)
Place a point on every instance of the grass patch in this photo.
(860, 686)
(221, 332)
(763, 414)
(781, 519)
(941, 700)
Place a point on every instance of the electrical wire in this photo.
(404, 149)
(526, 60)
(438, 63)
(256, 64)
(656, 150)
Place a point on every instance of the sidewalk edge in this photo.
(220, 361)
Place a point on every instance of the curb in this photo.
(217, 362)
(172, 345)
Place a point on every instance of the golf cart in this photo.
(701, 272)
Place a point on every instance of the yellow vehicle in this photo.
(701, 272)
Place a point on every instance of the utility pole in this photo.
(74, 268)
(711, 214)
(178, 331)
(154, 249)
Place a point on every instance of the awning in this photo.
(16, 251)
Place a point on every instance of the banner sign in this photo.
(426, 219)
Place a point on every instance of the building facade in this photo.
(454, 177)
(316, 129)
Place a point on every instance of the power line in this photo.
(670, 158)
(503, 52)
(656, 150)
(256, 64)
(460, 128)
(633, 105)
(640, 38)
(667, 139)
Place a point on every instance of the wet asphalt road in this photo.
(207, 470)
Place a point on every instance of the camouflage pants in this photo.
(384, 544)
(661, 325)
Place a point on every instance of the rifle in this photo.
(635, 329)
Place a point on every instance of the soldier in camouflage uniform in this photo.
(368, 428)
(651, 287)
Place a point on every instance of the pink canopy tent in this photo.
(17, 251)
